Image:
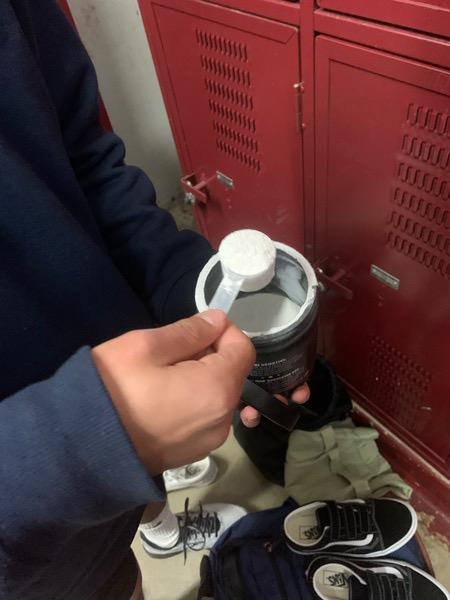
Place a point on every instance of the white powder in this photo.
(249, 255)
(259, 313)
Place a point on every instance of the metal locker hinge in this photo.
(299, 89)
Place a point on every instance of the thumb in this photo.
(184, 339)
(235, 353)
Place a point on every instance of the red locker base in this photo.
(431, 489)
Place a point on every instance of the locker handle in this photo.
(334, 281)
(198, 189)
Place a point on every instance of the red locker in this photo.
(383, 160)
(233, 79)
(342, 151)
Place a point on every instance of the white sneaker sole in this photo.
(156, 553)
(206, 479)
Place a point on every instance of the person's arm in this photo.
(79, 448)
(161, 263)
(66, 463)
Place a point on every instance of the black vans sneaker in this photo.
(337, 578)
(369, 528)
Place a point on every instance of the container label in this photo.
(280, 374)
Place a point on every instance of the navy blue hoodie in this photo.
(85, 255)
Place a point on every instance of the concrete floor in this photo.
(238, 482)
(181, 212)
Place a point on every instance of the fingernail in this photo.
(213, 317)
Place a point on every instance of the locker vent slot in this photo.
(418, 254)
(230, 100)
(230, 72)
(422, 180)
(426, 151)
(235, 136)
(418, 225)
(422, 233)
(243, 100)
(239, 155)
(423, 208)
(235, 117)
(221, 45)
(398, 385)
(429, 119)
(419, 230)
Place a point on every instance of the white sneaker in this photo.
(199, 529)
(202, 472)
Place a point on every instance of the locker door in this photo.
(383, 218)
(432, 16)
(233, 79)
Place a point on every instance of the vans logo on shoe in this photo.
(310, 533)
(334, 579)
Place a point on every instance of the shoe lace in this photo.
(351, 521)
(195, 528)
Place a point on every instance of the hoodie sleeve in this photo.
(67, 466)
(60, 476)
(161, 263)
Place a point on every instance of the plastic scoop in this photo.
(247, 257)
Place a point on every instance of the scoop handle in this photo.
(226, 293)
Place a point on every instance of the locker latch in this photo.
(196, 189)
(333, 277)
